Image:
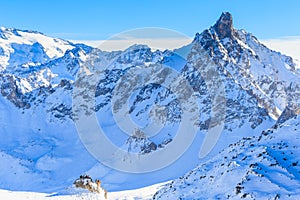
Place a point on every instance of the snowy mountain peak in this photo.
(28, 48)
(138, 47)
(224, 25)
(6, 33)
(38, 75)
(265, 74)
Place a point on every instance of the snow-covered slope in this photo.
(27, 48)
(74, 194)
(263, 167)
(38, 136)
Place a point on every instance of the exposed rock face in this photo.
(224, 26)
(243, 58)
(86, 182)
(258, 83)
(287, 114)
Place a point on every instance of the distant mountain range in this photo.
(259, 143)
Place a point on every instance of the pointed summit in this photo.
(224, 26)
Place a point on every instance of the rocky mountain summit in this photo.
(238, 83)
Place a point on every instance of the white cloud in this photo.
(288, 45)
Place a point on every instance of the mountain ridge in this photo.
(260, 85)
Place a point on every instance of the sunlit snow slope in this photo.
(40, 149)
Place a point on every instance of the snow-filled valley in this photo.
(225, 79)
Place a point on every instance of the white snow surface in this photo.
(137, 194)
(263, 167)
(42, 152)
(29, 48)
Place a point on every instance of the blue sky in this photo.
(97, 20)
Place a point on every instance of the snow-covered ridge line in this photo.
(260, 167)
(21, 47)
(37, 77)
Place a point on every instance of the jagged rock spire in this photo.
(224, 26)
